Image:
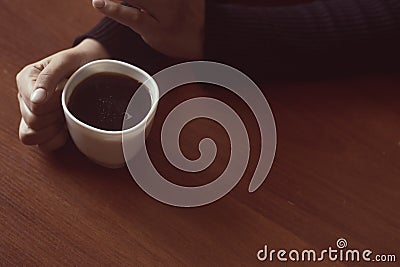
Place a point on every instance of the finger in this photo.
(32, 137)
(52, 105)
(26, 80)
(139, 4)
(56, 142)
(37, 122)
(140, 22)
(42, 109)
(46, 83)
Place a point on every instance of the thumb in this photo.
(49, 78)
(139, 21)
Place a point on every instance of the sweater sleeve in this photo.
(322, 36)
(125, 45)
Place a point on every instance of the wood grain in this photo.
(336, 172)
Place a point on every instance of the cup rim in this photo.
(150, 79)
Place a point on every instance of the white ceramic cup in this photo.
(105, 147)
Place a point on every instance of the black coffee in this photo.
(102, 99)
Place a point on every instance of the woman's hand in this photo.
(172, 27)
(39, 93)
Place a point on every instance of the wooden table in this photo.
(336, 173)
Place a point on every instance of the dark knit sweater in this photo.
(323, 36)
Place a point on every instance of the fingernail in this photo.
(99, 3)
(38, 96)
